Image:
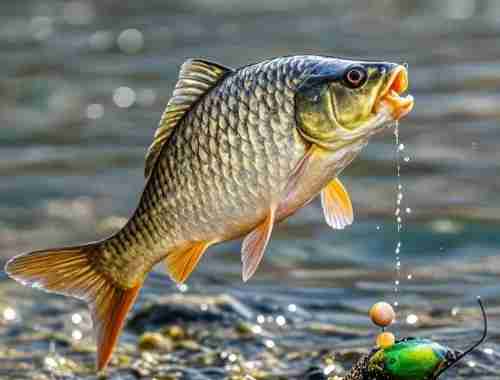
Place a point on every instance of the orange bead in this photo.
(385, 340)
(382, 314)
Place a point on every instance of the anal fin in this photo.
(180, 263)
(254, 245)
(337, 206)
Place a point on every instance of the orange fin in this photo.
(337, 206)
(254, 245)
(73, 272)
(181, 263)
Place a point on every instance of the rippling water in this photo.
(82, 87)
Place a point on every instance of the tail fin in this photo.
(72, 271)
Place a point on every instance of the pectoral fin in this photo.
(254, 245)
(337, 206)
(180, 263)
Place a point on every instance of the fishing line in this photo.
(474, 346)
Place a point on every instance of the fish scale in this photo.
(271, 142)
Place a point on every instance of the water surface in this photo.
(83, 85)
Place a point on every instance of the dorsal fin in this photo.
(196, 77)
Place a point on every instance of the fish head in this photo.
(409, 359)
(342, 101)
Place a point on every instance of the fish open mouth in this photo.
(391, 94)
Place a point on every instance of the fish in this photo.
(236, 151)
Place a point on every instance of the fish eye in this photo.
(355, 77)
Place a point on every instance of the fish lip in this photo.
(390, 95)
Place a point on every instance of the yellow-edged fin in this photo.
(196, 78)
(254, 245)
(337, 206)
(74, 271)
(180, 263)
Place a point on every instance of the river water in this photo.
(82, 87)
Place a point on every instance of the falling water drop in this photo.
(397, 213)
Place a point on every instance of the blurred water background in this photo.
(83, 85)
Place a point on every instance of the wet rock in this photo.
(178, 309)
(315, 373)
(155, 341)
(175, 332)
(121, 375)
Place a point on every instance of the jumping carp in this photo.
(236, 151)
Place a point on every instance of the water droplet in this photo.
(261, 319)
(203, 307)
(408, 210)
(292, 308)
(256, 329)
(130, 41)
(329, 369)
(410, 276)
(488, 351)
(411, 319)
(406, 159)
(280, 320)
(232, 357)
(269, 343)
(378, 228)
(183, 288)
(77, 335)
(50, 362)
(94, 111)
(36, 285)
(9, 314)
(397, 213)
(124, 97)
(76, 318)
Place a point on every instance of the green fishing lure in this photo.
(411, 359)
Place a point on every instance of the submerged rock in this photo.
(177, 309)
